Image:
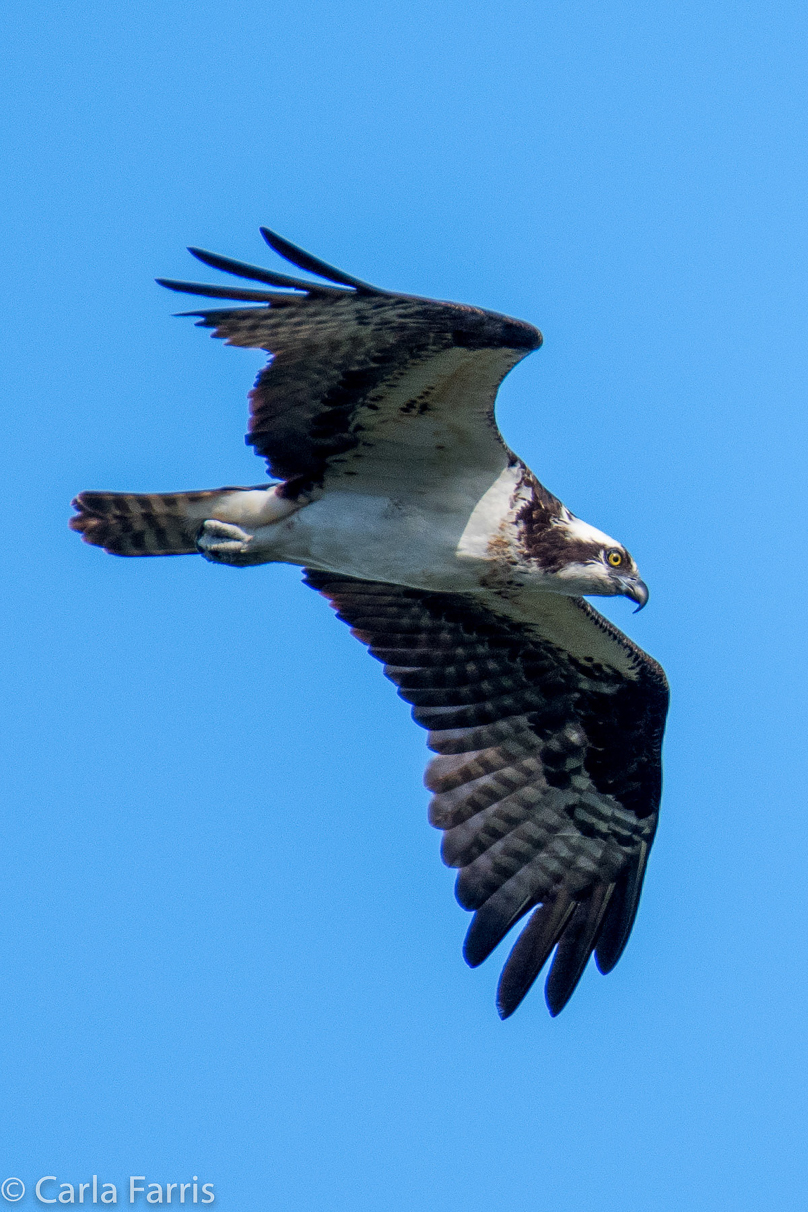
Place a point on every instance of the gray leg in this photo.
(223, 543)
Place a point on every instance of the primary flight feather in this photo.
(461, 573)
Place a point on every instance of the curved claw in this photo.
(223, 543)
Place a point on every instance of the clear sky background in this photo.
(229, 947)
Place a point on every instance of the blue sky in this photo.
(229, 948)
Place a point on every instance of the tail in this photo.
(146, 524)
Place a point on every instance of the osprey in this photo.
(462, 574)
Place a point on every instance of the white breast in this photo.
(429, 543)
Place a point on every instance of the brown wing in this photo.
(547, 782)
(355, 367)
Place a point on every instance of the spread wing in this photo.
(548, 778)
(362, 382)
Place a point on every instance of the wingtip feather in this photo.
(575, 947)
(256, 273)
(488, 928)
(303, 260)
(532, 950)
(222, 292)
(619, 919)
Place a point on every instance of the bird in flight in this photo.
(461, 573)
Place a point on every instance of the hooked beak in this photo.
(637, 590)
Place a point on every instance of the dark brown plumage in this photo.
(547, 787)
(463, 575)
(335, 351)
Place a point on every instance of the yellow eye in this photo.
(615, 558)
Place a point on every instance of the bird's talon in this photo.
(223, 543)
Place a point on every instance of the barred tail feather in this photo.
(144, 524)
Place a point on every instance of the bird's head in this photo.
(585, 560)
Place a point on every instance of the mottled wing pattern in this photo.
(547, 779)
(351, 361)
